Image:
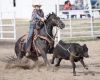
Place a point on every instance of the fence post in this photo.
(70, 24)
(14, 24)
(59, 35)
(1, 26)
(91, 12)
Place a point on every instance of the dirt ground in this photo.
(64, 72)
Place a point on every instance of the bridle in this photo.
(52, 38)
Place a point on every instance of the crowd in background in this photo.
(79, 5)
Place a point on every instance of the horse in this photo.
(40, 46)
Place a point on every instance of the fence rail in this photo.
(79, 26)
(7, 25)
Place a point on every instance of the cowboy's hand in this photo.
(42, 19)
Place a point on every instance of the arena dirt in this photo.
(27, 70)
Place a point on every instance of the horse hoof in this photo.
(74, 74)
(86, 68)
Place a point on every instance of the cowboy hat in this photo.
(36, 4)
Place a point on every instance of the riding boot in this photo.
(28, 45)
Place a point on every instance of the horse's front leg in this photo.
(42, 49)
(44, 55)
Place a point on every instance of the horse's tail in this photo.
(18, 47)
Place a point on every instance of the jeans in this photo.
(30, 35)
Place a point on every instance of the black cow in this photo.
(70, 51)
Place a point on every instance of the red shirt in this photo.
(67, 6)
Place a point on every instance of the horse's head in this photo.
(55, 20)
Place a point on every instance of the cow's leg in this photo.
(82, 62)
(74, 66)
(58, 62)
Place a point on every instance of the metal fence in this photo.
(7, 25)
(80, 23)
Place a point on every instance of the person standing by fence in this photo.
(67, 5)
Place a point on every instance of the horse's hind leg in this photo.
(35, 59)
(19, 55)
(37, 64)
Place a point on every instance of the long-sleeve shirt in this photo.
(37, 15)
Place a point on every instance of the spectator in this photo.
(98, 7)
(67, 5)
(79, 4)
(86, 6)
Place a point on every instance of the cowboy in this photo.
(37, 15)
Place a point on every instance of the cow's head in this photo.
(85, 51)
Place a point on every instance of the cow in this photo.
(70, 51)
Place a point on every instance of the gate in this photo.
(80, 24)
(7, 25)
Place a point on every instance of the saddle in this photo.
(37, 35)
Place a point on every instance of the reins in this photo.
(67, 50)
(48, 34)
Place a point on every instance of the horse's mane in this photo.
(48, 19)
(50, 15)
